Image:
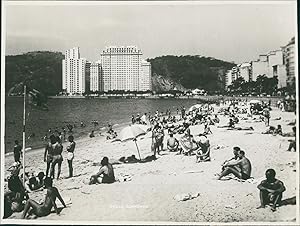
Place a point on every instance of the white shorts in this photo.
(70, 156)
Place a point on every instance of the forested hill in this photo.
(191, 72)
(42, 70)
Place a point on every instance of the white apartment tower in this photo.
(73, 72)
(145, 78)
(122, 69)
(96, 79)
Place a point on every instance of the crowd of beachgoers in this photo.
(170, 132)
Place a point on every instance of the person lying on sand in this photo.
(270, 190)
(44, 209)
(241, 128)
(270, 130)
(105, 174)
(229, 125)
(172, 143)
(240, 168)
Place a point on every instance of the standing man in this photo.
(70, 157)
(48, 154)
(17, 151)
(270, 190)
(266, 114)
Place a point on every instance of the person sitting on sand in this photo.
(270, 190)
(203, 151)
(278, 130)
(270, 130)
(172, 143)
(44, 209)
(240, 168)
(216, 119)
(105, 174)
(234, 158)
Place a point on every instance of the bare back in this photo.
(245, 166)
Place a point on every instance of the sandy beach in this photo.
(149, 195)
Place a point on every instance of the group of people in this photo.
(239, 165)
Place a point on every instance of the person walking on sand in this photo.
(57, 158)
(70, 157)
(44, 209)
(48, 154)
(270, 190)
(240, 168)
(17, 151)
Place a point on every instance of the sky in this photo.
(233, 32)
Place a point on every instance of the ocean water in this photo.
(64, 111)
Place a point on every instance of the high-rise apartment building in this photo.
(73, 72)
(145, 77)
(289, 53)
(96, 79)
(122, 69)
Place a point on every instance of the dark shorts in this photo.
(17, 157)
(49, 158)
(245, 176)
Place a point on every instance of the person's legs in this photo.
(34, 205)
(228, 170)
(52, 169)
(70, 168)
(48, 168)
(59, 169)
(277, 201)
(263, 196)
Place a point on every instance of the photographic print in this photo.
(149, 112)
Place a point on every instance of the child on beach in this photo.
(44, 209)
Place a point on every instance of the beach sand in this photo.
(149, 195)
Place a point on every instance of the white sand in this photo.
(149, 195)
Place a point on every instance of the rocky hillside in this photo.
(43, 71)
(190, 72)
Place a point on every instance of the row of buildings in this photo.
(279, 63)
(119, 68)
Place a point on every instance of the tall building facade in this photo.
(145, 78)
(289, 53)
(122, 69)
(73, 72)
(245, 71)
(96, 79)
(276, 67)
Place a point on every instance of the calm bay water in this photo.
(73, 111)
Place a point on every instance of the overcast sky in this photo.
(232, 32)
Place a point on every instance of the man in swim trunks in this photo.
(240, 168)
(48, 155)
(44, 209)
(172, 143)
(270, 190)
(17, 151)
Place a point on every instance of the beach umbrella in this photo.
(194, 107)
(132, 132)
